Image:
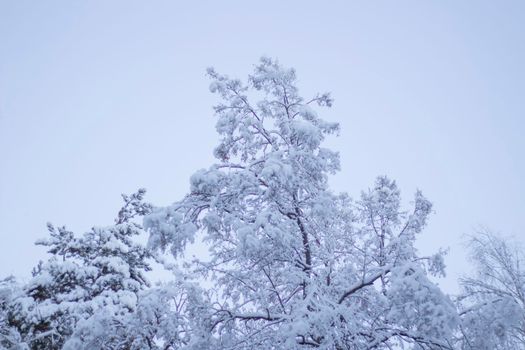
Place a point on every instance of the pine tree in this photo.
(99, 273)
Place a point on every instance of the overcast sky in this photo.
(98, 98)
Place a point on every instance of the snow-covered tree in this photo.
(492, 304)
(10, 337)
(98, 275)
(167, 317)
(291, 264)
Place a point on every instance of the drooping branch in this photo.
(364, 283)
(420, 340)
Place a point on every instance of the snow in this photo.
(291, 264)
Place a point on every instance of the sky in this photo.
(99, 98)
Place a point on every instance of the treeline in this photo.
(291, 264)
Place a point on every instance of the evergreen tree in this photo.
(101, 272)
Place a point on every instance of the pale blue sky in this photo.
(102, 97)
